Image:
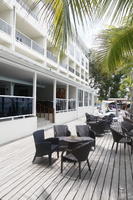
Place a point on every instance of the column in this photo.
(83, 97)
(12, 89)
(67, 96)
(34, 93)
(54, 98)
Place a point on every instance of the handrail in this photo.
(5, 27)
(21, 37)
(22, 3)
(16, 96)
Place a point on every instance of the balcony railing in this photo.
(71, 104)
(86, 79)
(82, 76)
(63, 65)
(51, 56)
(61, 105)
(77, 73)
(71, 69)
(15, 106)
(20, 37)
(5, 27)
(28, 9)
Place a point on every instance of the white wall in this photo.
(65, 117)
(15, 129)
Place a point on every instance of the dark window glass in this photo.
(10, 106)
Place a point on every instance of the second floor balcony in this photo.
(28, 9)
(71, 70)
(20, 37)
(77, 73)
(5, 27)
(51, 56)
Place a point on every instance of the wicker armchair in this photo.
(85, 131)
(120, 137)
(78, 154)
(60, 131)
(98, 127)
(45, 146)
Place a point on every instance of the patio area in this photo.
(111, 176)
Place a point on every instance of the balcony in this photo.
(71, 70)
(82, 77)
(5, 27)
(86, 79)
(28, 9)
(63, 65)
(51, 56)
(77, 73)
(20, 37)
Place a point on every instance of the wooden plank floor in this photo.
(111, 177)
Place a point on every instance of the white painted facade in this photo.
(58, 89)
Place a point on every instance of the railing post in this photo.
(34, 93)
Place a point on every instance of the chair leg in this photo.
(61, 165)
(113, 145)
(116, 147)
(57, 154)
(49, 159)
(79, 170)
(34, 158)
(88, 164)
(124, 145)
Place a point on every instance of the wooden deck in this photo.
(111, 177)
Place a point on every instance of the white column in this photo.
(83, 97)
(13, 22)
(34, 93)
(54, 96)
(67, 96)
(12, 89)
(76, 98)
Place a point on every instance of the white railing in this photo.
(12, 107)
(22, 38)
(61, 105)
(71, 104)
(51, 56)
(5, 27)
(63, 65)
(71, 70)
(28, 9)
(77, 73)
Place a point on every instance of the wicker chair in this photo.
(45, 146)
(60, 131)
(85, 131)
(120, 137)
(78, 154)
(98, 127)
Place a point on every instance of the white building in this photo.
(36, 84)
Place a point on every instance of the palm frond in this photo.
(116, 10)
(115, 45)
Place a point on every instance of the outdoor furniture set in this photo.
(99, 125)
(75, 149)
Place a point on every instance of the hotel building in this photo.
(38, 85)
